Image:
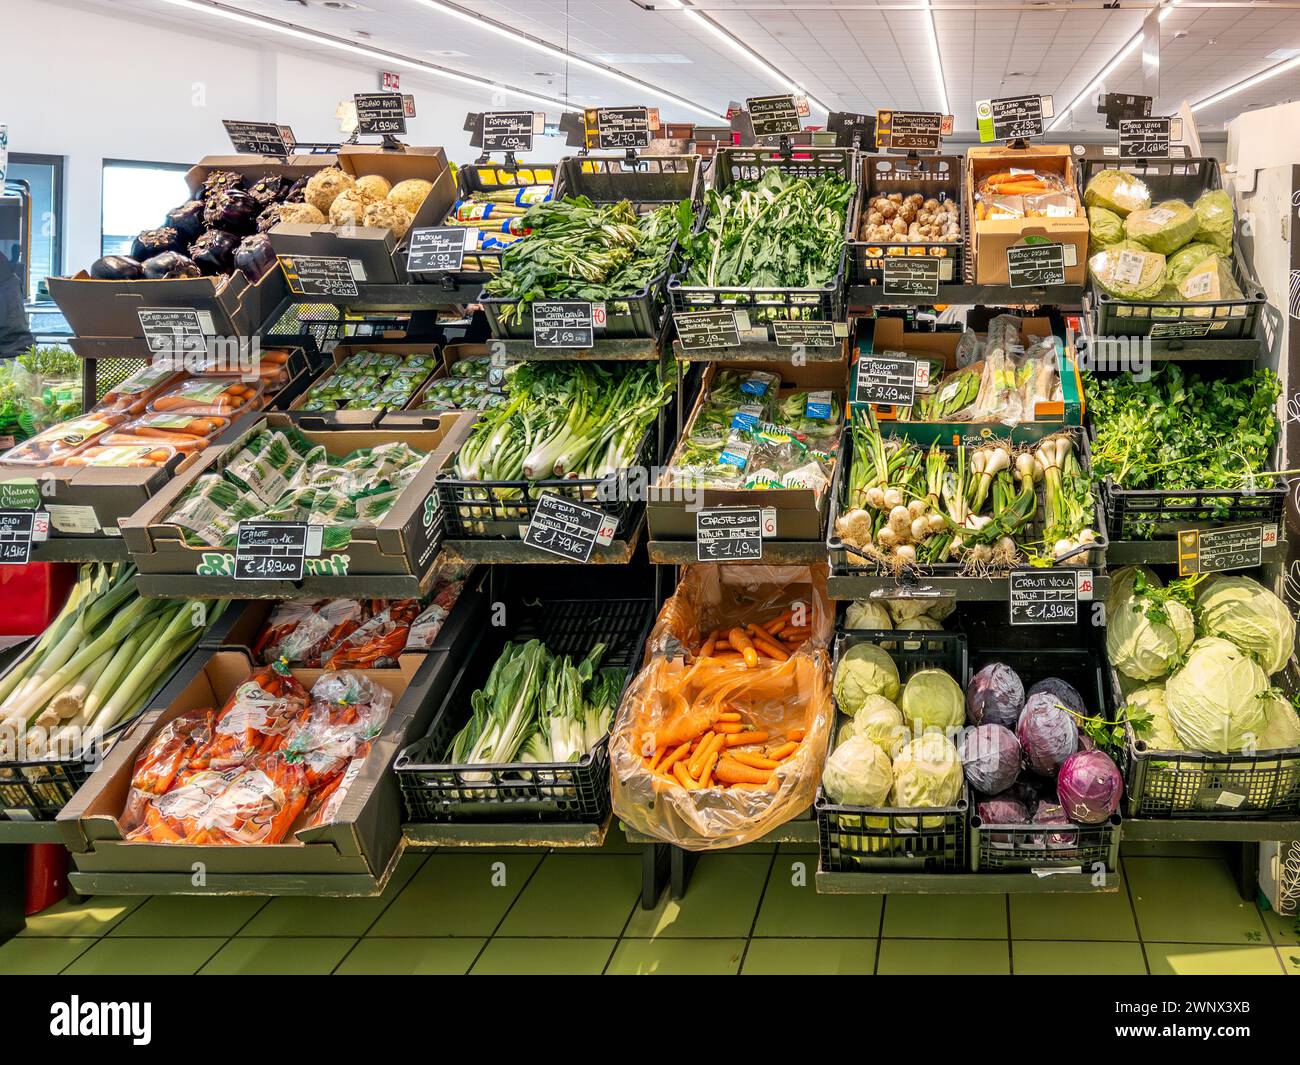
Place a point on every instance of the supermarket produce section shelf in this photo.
(966, 295)
(758, 352)
(516, 552)
(775, 552)
(1165, 552)
(425, 836)
(29, 832)
(390, 298)
(372, 586)
(965, 883)
(1208, 830)
(81, 549)
(975, 589)
(630, 349)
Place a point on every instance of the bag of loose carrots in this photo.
(722, 736)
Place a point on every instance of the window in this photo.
(44, 177)
(138, 196)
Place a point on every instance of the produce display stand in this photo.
(864, 296)
(507, 834)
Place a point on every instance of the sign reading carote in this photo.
(381, 113)
(616, 128)
(1036, 265)
(18, 530)
(568, 529)
(508, 131)
(729, 534)
(275, 550)
(1013, 118)
(773, 115)
(1048, 596)
(257, 138)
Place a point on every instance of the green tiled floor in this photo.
(754, 911)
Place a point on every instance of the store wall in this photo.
(86, 86)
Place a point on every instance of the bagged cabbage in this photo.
(1117, 192)
(1163, 228)
(1209, 281)
(858, 773)
(927, 773)
(1128, 271)
(864, 670)
(1214, 699)
(1215, 220)
(1105, 228)
(1184, 260)
(931, 699)
(1243, 611)
(1147, 637)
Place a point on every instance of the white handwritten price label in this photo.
(1083, 585)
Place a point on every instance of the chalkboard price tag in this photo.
(1012, 118)
(891, 379)
(773, 116)
(275, 550)
(19, 529)
(322, 275)
(805, 334)
(381, 113)
(437, 249)
(1144, 137)
(909, 130)
(257, 138)
(1037, 265)
(562, 527)
(617, 128)
(1220, 550)
(910, 275)
(1048, 596)
(563, 324)
(508, 131)
(730, 534)
(169, 328)
(707, 330)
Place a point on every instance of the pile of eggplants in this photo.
(222, 230)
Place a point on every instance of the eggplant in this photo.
(255, 256)
(187, 220)
(115, 268)
(170, 265)
(220, 181)
(268, 218)
(232, 210)
(153, 242)
(268, 190)
(296, 193)
(214, 252)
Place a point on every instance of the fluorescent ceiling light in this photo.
(1135, 42)
(938, 61)
(478, 21)
(364, 51)
(1249, 83)
(753, 57)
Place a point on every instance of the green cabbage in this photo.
(1105, 228)
(1117, 192)
(931, 699)
(865, 614)
(1281, 729)
(882, 723)
(1164, 228)
(924, 623)
(903, 609)
(1214, 699)
(1121, 584)
(1209, 281)
(864, 670)
(1244, 611)
(1158, 733)
(927, 773)
(858, 773)
(1215, 220)
(1145, 638)
(1110, 269)
(1182, 262)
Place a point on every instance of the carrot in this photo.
(784, 751)
(744, 645)
(674, 758)
(658, 757)
(773, 628)
(729, 771)
(754, 761)
(729, 728)
(730, 715)
(691, 725)
(707, 649)
(701, 752)
(706, 773)
(743, 739)
(684, 778)
(767, 645)
(796, 734)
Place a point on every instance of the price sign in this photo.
(891, 379)
(322, 275)
(707, 330)
(852, 130)
(730, 534)
(19, 529)
(561, 527)
(773, 115)
(437, 249)
(275, 550)
(805, 334)
(382, 113)
(910, 275)
(1036, 265)
(1048, 596)
(1219, 550)
(1144, 137)
(167, 328)
(508, 131)
(909, 130)
(257, 138)
(1012, 118)
(1169, 330)
(563, 324)
(619, 127)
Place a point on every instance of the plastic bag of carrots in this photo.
(722, 736)
(257, 719)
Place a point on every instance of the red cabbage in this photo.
(1089, 786)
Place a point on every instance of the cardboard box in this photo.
(411, 418)
(353, 855)
(889, 334)
(800, 512)
(404, 542)
(237, 307)
(991, 238)
(357, 419)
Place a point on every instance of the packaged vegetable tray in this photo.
(222, 397)
(721, 736)
(60, 442)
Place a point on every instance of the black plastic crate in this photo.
(1011, 848)
(1191, 786)
(867, 839)
(501, 510)
(824, 303)
(525, 792)
(1180, 179)
(935, 177)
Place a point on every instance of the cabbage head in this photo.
(1215, 220)
(1185, 260)
(865, 614)
(1244, 611)
(924, 623)
(1164, 228)
(927, 773)
(1281, 729)
(1105, 228)
(858, 773)
(1145, 639)
(1105, 269)
(1117, 192)
(864, 670)
(1209, 281)
(882, 723)
(931, 699)
(903, 609)
(1158, 733)
(1214, 699)
(1122, 582)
